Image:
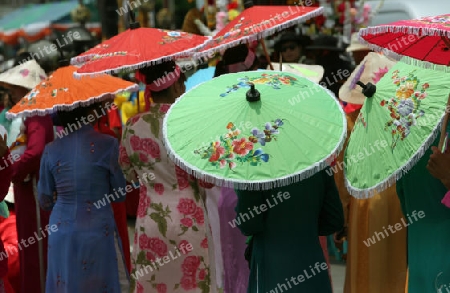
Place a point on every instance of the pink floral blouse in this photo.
(171, 250)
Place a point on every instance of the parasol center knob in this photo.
(253, 94)
(369, 89)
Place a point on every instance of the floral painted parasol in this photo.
(137, 48)
(395, 127)
(255, 130)
(425, 39)
(257, 22)
(61, 91)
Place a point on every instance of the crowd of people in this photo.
(184, 221)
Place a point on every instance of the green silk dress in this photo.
(429, 235)
(287, 255)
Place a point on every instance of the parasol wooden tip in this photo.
(253, 95)
(369, 89)
(248, 4)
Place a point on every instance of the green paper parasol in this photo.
(216, 134)
(395, 127)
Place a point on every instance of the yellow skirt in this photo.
(381, 266)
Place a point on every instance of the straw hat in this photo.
(355, 45)
(375, 67)
(26, 75)
(312, 72)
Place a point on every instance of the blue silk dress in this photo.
(82, 168)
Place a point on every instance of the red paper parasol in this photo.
(137, 48)
(424, 39)
(258, 22)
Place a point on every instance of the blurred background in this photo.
(30, 25)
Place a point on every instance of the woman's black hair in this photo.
(161, 72)
(22, 58)
(220, 69)
(232, 56)
(76, 116)
(158, 71)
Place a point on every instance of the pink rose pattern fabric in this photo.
(170, 220)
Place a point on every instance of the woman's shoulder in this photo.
(155, 113)
(106, 139)
(145, 116)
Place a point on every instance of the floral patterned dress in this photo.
(171, 252)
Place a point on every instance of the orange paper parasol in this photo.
(61, 91)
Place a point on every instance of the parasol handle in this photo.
(263, 44)
(444, 125)
(281, 62)
(133, 23)
(62, 62)
(61, 55)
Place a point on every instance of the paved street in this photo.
(338, 276)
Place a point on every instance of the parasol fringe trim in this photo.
(263, 34)
(80, 60)
(425, 64)
(394, 177)
(131, 68)
(54, 109)
(253, 185)
(418, 31)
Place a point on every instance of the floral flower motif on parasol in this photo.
(273, 80)
(120, 53)
(440, 19)
(171, 37)
(30, 98)
(404, 106)
(102, 46)
(56, 91)
(61, 91)
(360, 119)
(235, 31)
(234, 147)
(32, 94)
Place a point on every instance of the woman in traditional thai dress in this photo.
(173, 248)
(79, 177)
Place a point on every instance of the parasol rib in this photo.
(263, 44)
